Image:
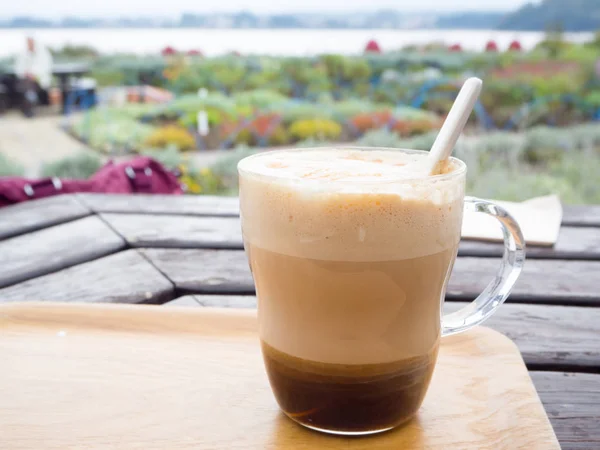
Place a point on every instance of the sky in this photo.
(173, 8)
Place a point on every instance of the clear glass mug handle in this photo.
(497, 291)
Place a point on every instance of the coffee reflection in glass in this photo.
(351, 253)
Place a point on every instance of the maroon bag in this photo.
(141, 175)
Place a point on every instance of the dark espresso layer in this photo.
(348, 398)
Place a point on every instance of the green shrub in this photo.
(346, 109)
(259, 98)
(380, 138)
(215, 118)
(580, 172)
(584, 136)
(108, 77)
(192, 103)
(70, 51)
(279, 136)
(81, 166)
(293, 111)
(311, 143)
(9, 167)
(511, 93)
(226, 167)
(503, 184)
(545, 144)
(315, 128)
(169, 157)
(189, 80)
(414, 114)
(593, 98)
(244, 138)
(203, 181)
(109, 132)
(499, 147)
(262, 80)
(127, 111)
(556, 85)
(171, 135)
(422, 142)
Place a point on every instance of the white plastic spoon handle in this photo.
(455, 122)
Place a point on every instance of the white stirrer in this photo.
(454, 123)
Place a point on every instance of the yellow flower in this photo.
(205, 172)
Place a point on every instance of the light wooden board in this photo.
(30, 216)
(146, 377)
(549, 337)
(124, 277)
(226, 271)
(51, 249)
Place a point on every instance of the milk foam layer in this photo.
(350, 252)
(351, 205)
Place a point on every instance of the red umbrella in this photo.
(194, 52)
(491, 46)
(455, 48)
(515, 46)
(372, 47)
(168, 51)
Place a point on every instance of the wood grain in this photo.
(51, 249)
(226, 271)
(202, 205)
(170, 231)
(219, 301)
(152, 230)
(204, 271)
(186, 300)
(193, 378)
(573, 243)
(542, 281)
(549, 337)
(124, 277)
(571, 401)
(574, 215)
(581, 215)
(36, 214)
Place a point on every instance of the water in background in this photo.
(273, 42)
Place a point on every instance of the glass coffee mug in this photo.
(351, 253)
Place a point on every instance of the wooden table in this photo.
(188, 251)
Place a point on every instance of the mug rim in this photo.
(457, 173)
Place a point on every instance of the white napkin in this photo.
(539, 219)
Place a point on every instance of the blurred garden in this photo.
(535, 130)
